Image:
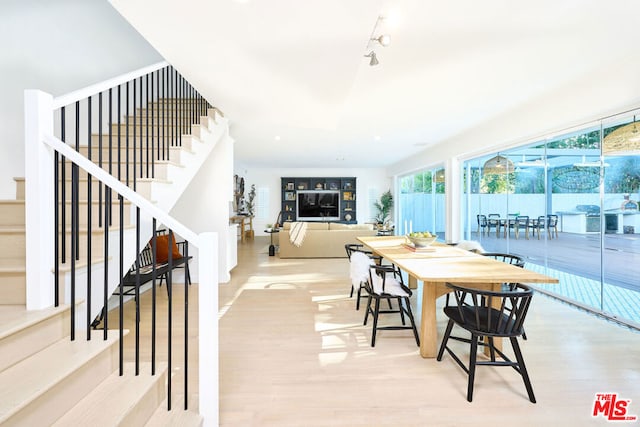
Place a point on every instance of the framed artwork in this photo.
(290, 186)
(289, 195)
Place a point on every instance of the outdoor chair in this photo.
(380, 285)
(552, 226)
(522, 223)
(493, 221)
(538, 225)
(492, 315)
(483, 225)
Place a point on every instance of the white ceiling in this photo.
(296, 69)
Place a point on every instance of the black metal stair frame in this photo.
(171, 105)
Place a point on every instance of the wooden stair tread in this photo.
(35, 375)
(116, 397)
(177, 417)
(14, 318)
(12, 228)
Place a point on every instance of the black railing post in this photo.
(121, 276)
(89, 220)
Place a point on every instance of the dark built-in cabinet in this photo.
(319, 199)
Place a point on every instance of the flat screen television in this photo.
(318, 205)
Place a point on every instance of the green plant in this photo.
(250, 203)
(383, 207)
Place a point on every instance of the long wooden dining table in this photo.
(440, 264)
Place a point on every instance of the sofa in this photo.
(323, 239)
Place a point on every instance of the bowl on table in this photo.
(422, 242)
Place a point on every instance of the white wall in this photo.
(370, 183)
(612, 89)
(57, 46)
(204, 204)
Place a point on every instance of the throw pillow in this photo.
(162, 248)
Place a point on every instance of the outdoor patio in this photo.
(575, 259)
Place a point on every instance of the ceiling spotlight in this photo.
(374, 59)
(384, 40)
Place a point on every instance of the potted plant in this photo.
(383, 208)
(250, 203)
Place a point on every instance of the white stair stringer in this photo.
(198, 148)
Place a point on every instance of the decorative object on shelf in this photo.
(498, 165)
(383, 207)
(347, 185)
(290, 186)
(319, 186)
(289, 195)
(347, 195)
(347, 217)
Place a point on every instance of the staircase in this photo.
(46, 378)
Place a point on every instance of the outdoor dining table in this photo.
(440, 264)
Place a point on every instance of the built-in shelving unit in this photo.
(344, 187)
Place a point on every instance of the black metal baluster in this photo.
(137, 293)
(56, 228)
(63, 201)
(141, 136)
(154, 246)
(89, 220)
(108, 200)
(76, 175)
(164, 109)
(153, 156)
(119, 134)
(105, 295)
(169, 316)
(146, 82)
(121, 276)
(100, 157)
(186, 324)
(175, 110)
(74, 233)
(180, 112)
(135, 120)
(126, 139)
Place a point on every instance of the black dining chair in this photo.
(512, 259)
(489, 314)
(359, 277)
(381, 284)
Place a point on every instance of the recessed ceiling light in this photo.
(377, 137)
(277, 137)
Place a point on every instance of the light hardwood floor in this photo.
(293, 352)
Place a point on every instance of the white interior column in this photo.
(39, 187)
(452, 196)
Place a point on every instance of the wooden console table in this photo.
(245, 225)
